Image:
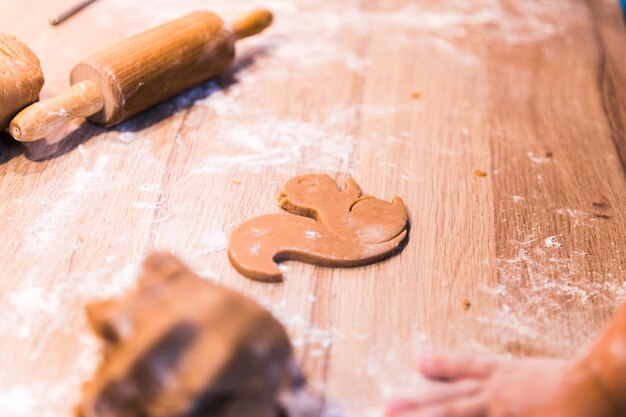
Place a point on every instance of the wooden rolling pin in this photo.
(135, 74)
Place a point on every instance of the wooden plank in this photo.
(411, 98)
(556, 245)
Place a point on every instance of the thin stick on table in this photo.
(70, 12)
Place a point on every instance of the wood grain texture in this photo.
(408, 97)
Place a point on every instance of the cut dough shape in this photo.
(180, 346)
(21, 78)
(327, 227)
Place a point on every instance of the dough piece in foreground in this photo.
(21, 78)
(327, 227)
(180, 346)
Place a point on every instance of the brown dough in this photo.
(21, 78)
(180, 346)
(342, 228)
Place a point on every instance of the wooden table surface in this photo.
(411, 97)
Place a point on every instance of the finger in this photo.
(448, 391)
(466, 407)
(456, 368)
(436, 394)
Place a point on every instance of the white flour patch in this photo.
(454, 52)
(258, 231)
(142, 205)
(538, 159)
(214, 240)
(356, 64)
(575, 214)
(577, 217)
(552, 242)
(539, 293)
(388, 368)
(495, 20)
(83, 153)
(311, 234)
(33, 300)
(517, 198)
(159, 220)
(224, 102)
(283, 145)
(126, 137)
(46, 228)
(45, 312)
(254, 249)
(151, 188)
(99, 283)
(41, 399)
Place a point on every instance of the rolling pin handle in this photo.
(45, 117)
(252, 24)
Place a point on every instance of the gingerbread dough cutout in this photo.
(21, 78)
(326, 226)
(181, 346)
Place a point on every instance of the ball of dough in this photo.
(179, 345)
(21, 78)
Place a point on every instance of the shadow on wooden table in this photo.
(9, 148)
(188, 98)
(45, 150)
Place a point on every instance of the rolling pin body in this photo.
(140, 72)
(153, 66)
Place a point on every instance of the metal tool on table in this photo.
(140, 72)
(57, 20)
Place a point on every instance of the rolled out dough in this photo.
(324, 226)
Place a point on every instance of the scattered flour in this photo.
(125, 137)
(213, 240)
(83, 153)
(284, 145)
(258, 232)
(509, 22)
(46, 227)
(552, 242)
(254, 249)
(311, 234)
(159, 220)
(30, 310)
(142, 205)
(538, 159)
(535, 286)
(151, 188)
